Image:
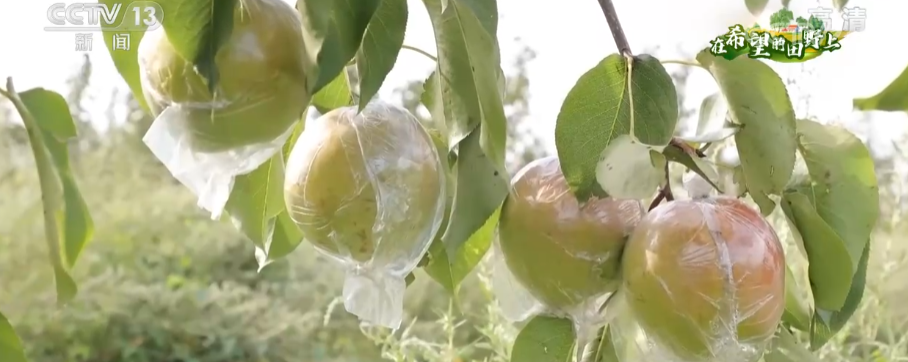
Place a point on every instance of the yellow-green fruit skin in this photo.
(368, 187)
(261, 90)
(561, 252)
(700, 273)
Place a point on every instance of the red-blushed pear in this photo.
(261, 90)
(705, 279)
(562, 252)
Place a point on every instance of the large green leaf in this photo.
(334, 95)
(10, 345)
(68, 226)
(598, 109)
(844, 188)
(469, 65)
(198, 29)
(256, 200)
(126, 60)
(451, 271)
(756, 6)
(829, 265)
(767, 141)
(381, 46)
(826, 324)
(479, 192)
(797, 311)
(544, 339)
(892, 98)
(332, 32)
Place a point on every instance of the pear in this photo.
(261, 89)
(367, 187)
(705, 279)
(562, 252)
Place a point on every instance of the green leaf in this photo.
(712, 125)
(892, 98)
(544, 339)
(825, 323)
(845, 189)
(598, 109)
(469, 65)
(787, 349)
(756, 6)
(381, 46)
(829, 265)
(480, 191)
(758, 102)
(256, 201)
(797, 311)
(10, 346)
(626, 156)
(127, 60)
(701, 167)
(334, 95)
(197, 30)
(257, 209)
(332, 32)
(286, 237)
(450, 272)
(68, 226)
(431, 98)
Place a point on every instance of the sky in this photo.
(569, 37)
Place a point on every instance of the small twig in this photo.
(420, 51)
(686, 148)
(665, 193)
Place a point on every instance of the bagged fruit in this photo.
(704, 281)
(368, 189)
(206, 138)
(564, 253)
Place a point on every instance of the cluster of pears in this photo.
(261, 88)
(703, 278)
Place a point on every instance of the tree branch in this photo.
(611, 16)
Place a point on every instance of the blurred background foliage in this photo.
(161, 282)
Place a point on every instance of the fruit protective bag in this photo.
(368, 189)
(205, 137)
(556, 255)
(703, 281)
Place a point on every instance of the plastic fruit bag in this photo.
(566, 255)
(704, 281)
(205, 138)
(368, 189)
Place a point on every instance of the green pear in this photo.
(562, 252)
(367, 186)
(261, 90)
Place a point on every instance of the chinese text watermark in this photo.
(117, 20)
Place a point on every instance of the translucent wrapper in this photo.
(565, 255)
(368, 189)
(206, 138)
(704, 281)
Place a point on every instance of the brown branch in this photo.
(611, 16)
